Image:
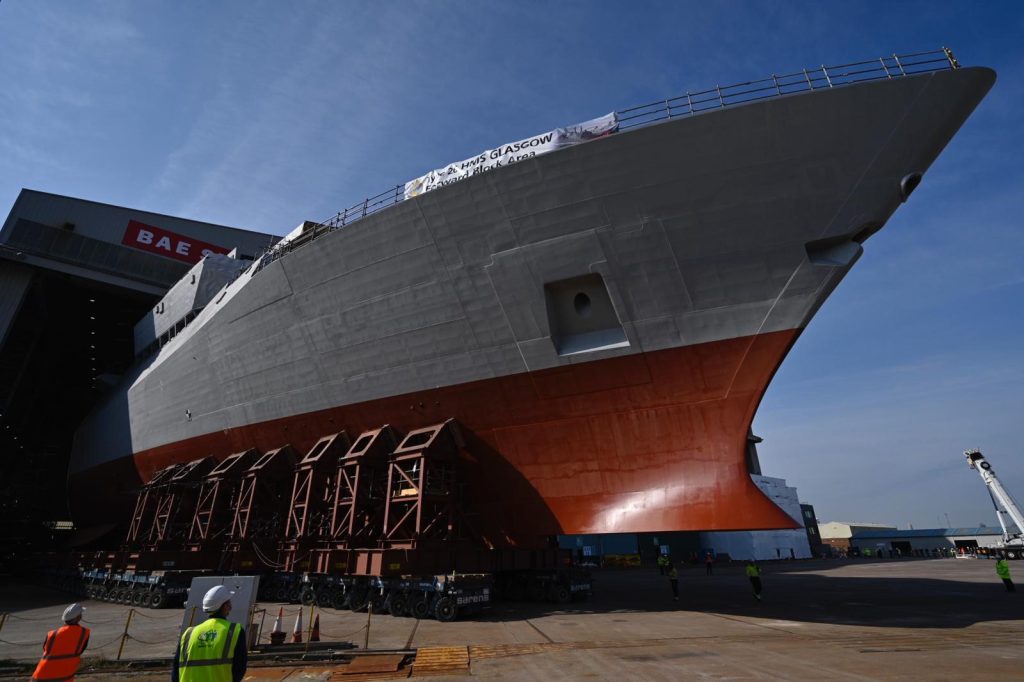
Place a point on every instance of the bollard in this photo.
(369, 614)
(309, 635)
(124, 635)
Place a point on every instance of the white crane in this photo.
(1001, 499)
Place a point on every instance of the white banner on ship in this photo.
(507, 154)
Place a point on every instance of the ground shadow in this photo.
(792, 592)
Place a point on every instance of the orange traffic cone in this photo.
(297, 630)
(277, 634)
(314, 636)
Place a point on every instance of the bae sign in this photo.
(153, 239)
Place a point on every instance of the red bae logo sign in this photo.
(153, 239)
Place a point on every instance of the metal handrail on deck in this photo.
(687, 104)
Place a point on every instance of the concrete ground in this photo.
(860, 619)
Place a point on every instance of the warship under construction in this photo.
(600, 308)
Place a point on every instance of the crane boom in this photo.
(1000, 497)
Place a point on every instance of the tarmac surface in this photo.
(858, 619)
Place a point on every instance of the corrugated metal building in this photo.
(913, 541)
(837, 534)
(75, 278)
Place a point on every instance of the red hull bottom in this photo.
(648, 442)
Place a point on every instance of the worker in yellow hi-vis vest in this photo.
(215, 650)
(1003, 571)
(754, 573)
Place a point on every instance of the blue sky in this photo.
(263, 114)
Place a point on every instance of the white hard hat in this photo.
(72, 612)
(215, 598)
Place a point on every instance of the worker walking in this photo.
(215, 650)
(754, 573)
(662, 562)
(673, 580)
(709, 564)
(1003, 571)
(63, 648)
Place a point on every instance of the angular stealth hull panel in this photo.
(714, 240)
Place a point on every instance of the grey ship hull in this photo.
(705, 245)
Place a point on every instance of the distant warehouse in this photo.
(927, 540)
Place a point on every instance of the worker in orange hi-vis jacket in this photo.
(62, 650)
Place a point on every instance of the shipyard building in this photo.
(75, 278)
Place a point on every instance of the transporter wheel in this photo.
(139, 598)
(561, 594)
(339, 599)
(446, 610)
(157, 599)
(400, 604)
(359, 599)
(379, 602)
(308, 596)
(420, 608)
(281, 593)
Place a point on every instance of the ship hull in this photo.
(641, 442)
(706, 245)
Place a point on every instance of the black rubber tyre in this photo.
(339, 599)
(420, 608)
(379, 602)
(157, 599)
(140, 598)
(399, 605)
(281, 594)
(561, 594)
(358, 600)
(446, 610)
(307, 596)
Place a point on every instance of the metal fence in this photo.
(687, 104)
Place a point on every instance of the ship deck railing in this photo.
(688, 104)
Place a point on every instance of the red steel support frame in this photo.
(359, 490)
(173, 495)
(215, 496)
(311, 493)
(356, 517)
(422, 497)
(142, 515)
(257, 510)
